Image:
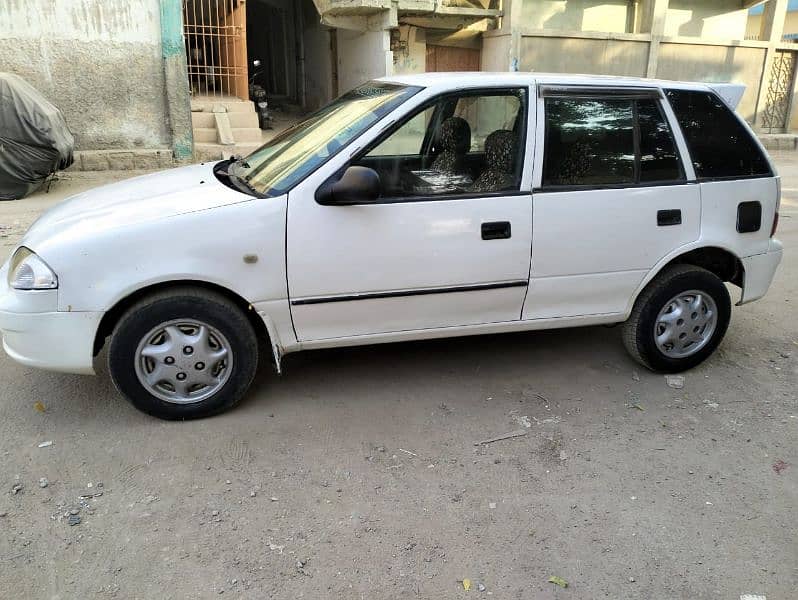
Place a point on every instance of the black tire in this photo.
(638, 331)
(188, 303)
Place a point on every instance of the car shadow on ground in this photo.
(464, 362)
(481, 362)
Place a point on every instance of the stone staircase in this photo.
(223, 127)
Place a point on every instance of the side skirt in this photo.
(444, 332)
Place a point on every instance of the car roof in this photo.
(467, 79)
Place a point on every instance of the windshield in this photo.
(278, 165)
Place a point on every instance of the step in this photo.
(779, 141)
(237, 119)
(209, 135)
(205, 135)
(122, 159)
(235, 106)
(247, 134)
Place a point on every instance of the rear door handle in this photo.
(496, 230)
(669, 217)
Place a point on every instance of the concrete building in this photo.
(756, 14)
(127, 73)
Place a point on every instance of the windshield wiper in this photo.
(246, 184)
(240, 183)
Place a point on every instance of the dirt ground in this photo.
(355, 475)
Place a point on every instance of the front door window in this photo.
(461, 144)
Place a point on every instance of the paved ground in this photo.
(355, 475)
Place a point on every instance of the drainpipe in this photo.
(178, 98)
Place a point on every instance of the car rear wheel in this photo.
(183, 354)
(678, 320)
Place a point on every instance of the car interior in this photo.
(459, 144)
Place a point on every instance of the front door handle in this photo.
(496, 230)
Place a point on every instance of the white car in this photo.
(409, 208)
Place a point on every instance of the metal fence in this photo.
(216, 47)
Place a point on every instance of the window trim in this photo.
(581, 92)
(612, 186)
(592, 91)
(436, 101)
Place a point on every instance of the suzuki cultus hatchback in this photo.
(409, 208)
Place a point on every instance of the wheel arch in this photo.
(112, 315)
(716, 259)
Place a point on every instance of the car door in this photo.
(612, 197)
(439, 248)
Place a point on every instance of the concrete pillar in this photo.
(655, 14)
(513, 11)
(771, 30)
(362, 55)
(772, 25)
(178, 97)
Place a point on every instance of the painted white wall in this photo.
(362, 56)
(575, 15)
(99, 61)
(132, 21)
(708, 18)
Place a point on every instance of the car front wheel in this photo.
(183, 354)
(678, 320)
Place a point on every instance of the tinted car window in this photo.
(659, 159)
(719, 145)
(589, 141)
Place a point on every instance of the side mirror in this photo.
(358, 185)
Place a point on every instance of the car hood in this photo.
(126, 203)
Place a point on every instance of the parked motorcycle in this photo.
(257, 94)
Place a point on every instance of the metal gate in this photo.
(216, 47)
(779, 93)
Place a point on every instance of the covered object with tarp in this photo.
(34, 138)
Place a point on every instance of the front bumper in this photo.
(759, 272)
(37, 335)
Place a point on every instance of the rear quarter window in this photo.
(720, 146)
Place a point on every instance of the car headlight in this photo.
(29, 272)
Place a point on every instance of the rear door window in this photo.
(720, 146)
(659, 159)
(596, 142)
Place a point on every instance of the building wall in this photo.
(413, 57)
(583, 55)
(496, 53)
(719, 19)
(755, 23)
(362, 56)
(576, 15)
(692, 62)
(99, 61)
(707, 18)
